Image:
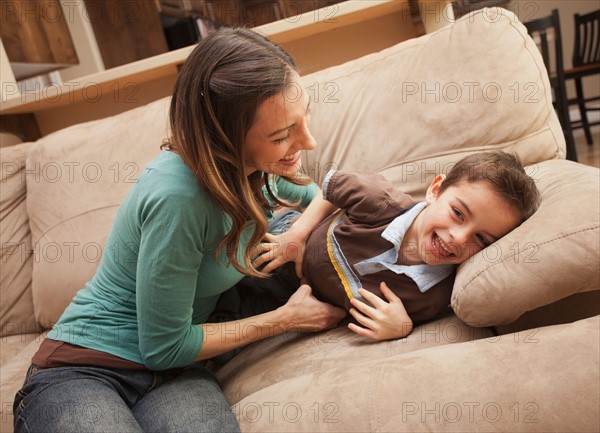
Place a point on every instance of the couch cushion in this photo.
(16, 308)
(77, 177)
(14, 368)
(291, 355)
(413, 110)
(552, 255)
(579, 306)
(514, 382)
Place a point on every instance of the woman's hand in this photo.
(305, 313)
(280, 249)
(384, 320)
(289, 246)
(302, 312)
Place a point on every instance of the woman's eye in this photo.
(282, 140)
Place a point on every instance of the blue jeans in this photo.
(95, 399)
(283, 221)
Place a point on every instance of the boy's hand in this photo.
(280, 249)
(384, 320)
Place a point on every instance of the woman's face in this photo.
(274, 142)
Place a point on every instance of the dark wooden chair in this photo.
(586, 62)
(546, 32)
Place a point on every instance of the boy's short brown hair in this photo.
(504, 173)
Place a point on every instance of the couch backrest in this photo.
(76, 180)
(413, 110)
(16, 252)
(410, 112)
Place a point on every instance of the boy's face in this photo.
(459, 222)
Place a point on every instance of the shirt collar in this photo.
(396, 230)
(424, 275)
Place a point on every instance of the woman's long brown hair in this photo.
(215, 99)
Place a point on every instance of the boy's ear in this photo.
(434, 189)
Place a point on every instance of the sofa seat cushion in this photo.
(13, 345)
(506, 383)
(413, 110)
(551, 256)
(288, 356)
(17, 351)
(76, 180)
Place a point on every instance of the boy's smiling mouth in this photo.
(441, 247)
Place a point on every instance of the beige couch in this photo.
(519, 352)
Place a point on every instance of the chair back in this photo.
(587, 39)
(544, 31)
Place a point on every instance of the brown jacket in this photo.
(368, 204)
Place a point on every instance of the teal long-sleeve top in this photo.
(158, 277)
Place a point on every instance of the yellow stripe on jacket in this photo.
(332, 257)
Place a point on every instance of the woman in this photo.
(123, 357)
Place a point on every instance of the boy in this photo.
(391, 261)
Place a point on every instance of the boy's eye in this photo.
(483, 241)
(457, 213)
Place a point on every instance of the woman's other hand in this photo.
(305, 313)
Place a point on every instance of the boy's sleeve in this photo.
(366, 197)
(299, 195)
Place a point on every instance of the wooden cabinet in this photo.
(126, 31)
(36, 37)
(463, 7)
(250, 13)
(331, 35)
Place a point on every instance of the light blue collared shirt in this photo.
(425, 276)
